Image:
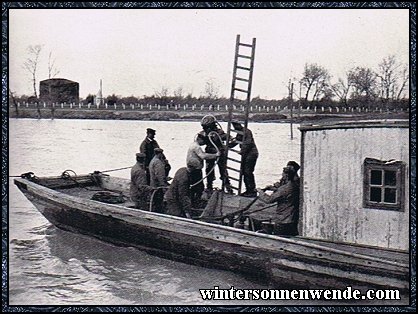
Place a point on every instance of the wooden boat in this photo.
(66, 201)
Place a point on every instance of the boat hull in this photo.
(284, 262)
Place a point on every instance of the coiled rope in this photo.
(151, 202)
(102, 195)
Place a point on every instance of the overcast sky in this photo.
(139, 51)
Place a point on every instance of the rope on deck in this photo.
(117, 169)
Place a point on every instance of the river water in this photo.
(48, 266)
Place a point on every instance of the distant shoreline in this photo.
(172, 115)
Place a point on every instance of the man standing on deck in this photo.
(249, 155)
(287, 198)
(156, 169)
(139, 189)
(214, 140)
(148, 145)
(195, 157)
(158, 178)
(178, 199)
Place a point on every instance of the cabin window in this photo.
(384, 183)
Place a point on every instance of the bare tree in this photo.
(211, 90)
(178, 92)
(322, 89)
(162, 95)
(314, 74)
(52, 69)
(393, 77)
(403, 82)
(363, 81)
(31, 64)
(388, 76)
(341, 89)
(14, 102)
(163, 92)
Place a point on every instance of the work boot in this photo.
(249, 194)
(228, 189)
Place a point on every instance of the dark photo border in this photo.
(200, 5)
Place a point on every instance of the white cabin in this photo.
(355, 183)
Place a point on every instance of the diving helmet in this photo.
(208, 120)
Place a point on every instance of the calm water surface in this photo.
(48, 266)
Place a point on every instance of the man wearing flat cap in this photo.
(140, 190)
(148, 145)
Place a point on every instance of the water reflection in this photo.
(133, 275)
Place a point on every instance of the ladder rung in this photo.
(232, 178)
(243, 68)
(234, 150)
(233, 187)
(237, 131)
(233, 169)
(235, 160)
(241, 90)
(242, 56)
(246, 45)
(242, 79)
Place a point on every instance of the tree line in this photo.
(385, 86)
(388, 83)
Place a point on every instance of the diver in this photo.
(215, 138)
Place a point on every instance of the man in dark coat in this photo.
(287, 197)
(293, 164)
(178, 196)
(140, 190)
(249, 155)
(148, 146)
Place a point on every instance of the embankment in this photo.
(191, 115)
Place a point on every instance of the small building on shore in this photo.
(58, 90)
(355, 183)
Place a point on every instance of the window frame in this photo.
(380, 165)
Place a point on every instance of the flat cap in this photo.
(294, 164)
(149, 130)
(140, 155)
(158, 150)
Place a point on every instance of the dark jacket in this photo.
(178, 196)
(287, 198)
(248, 146)
(147, 147)
(157, 172)
(139, 189)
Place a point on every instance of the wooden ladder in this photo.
(242, 78)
